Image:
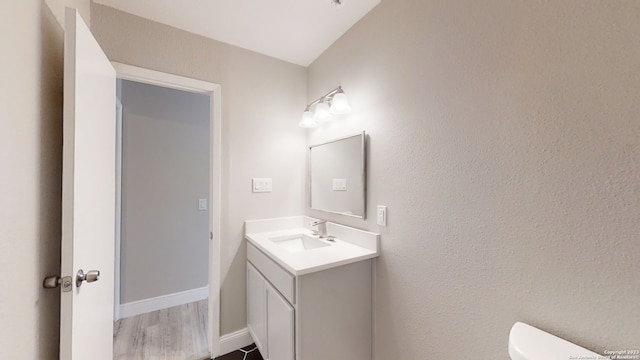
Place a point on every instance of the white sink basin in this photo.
(298, 242)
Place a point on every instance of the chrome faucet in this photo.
(322, 228)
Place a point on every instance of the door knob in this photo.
(90, 276)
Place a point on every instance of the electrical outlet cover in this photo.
(382, 215)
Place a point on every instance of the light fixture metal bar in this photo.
(325, 97)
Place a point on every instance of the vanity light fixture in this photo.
(333, 103)
(339, 103)
(322, 113)
(307, 119)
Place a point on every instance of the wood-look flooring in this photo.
(177, 333)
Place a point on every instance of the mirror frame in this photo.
(363, 152)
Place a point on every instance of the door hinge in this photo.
(211, 236)
(52, 282)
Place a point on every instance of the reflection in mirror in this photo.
(337, 176)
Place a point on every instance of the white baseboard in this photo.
(162, 302)
(234, 341)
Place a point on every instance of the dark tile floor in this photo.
(246, 353)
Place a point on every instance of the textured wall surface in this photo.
(504, 137)
(261, 101)
(165, 170)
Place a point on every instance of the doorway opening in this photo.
(167, 266)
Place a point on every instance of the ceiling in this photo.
(297, 31)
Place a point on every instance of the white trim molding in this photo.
(234, 341)
(163, 302)
(118, 232)
(152, 77)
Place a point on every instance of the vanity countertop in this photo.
(350, 245)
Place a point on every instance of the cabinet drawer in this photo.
(283, 281)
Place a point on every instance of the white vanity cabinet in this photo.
(280, 326)
(326, 314)
(257, 307)
(270, 318)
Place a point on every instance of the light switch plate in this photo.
(261, 185)
(381, 215)
(202, 204)
(339, 184)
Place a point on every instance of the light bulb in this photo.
(307, 120)
(322, 112)
(339, 104)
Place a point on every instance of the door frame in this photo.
(213, 90)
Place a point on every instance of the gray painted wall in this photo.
(165, 167)
(504, 137)
(261, 102)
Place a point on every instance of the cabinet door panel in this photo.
(280, 326)
(257, 309)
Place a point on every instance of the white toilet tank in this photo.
(529, 343)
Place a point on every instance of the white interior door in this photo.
(88, 195)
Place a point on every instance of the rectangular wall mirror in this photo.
(337, 176)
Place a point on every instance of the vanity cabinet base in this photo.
(334, 313)
(330, 317)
